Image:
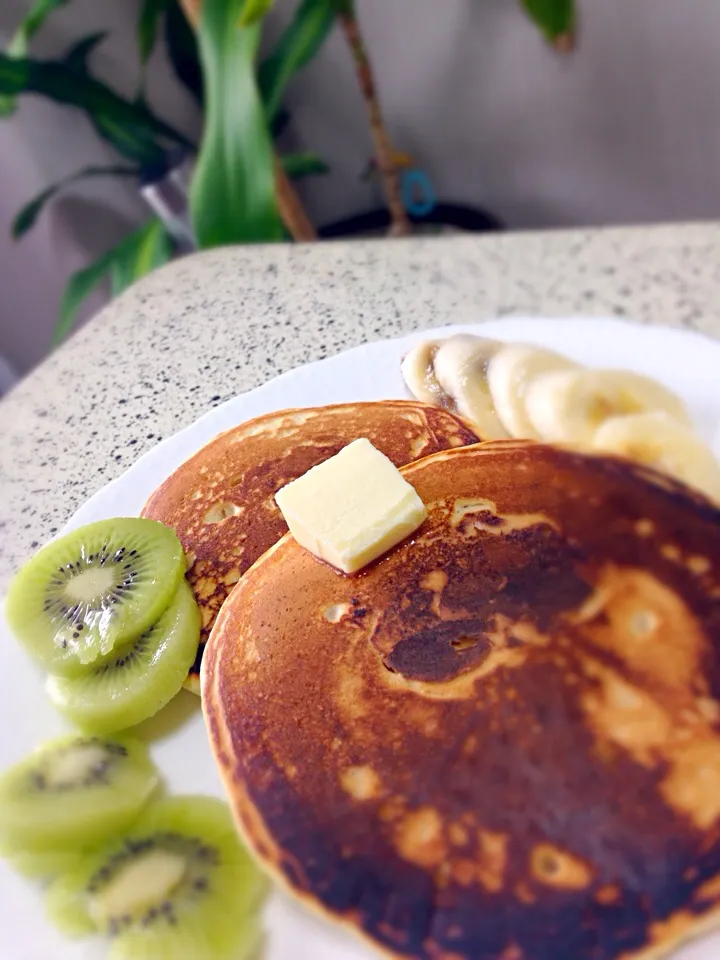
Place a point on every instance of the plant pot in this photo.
(444, 218)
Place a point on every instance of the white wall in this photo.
(627, 129)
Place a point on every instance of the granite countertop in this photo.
(216, 324)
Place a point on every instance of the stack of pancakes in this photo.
(221, 502)
(500, 741)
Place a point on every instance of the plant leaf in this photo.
(147, 27)
(555, 18)
(133, 130)
(137, 145)
(308, 30)
(18, 45)
(252, 11)
(78, 289)
(279, 122)
(303, 164)
(232, 195)
(139, 254)
(344, 8)
(79, 53)
(26, 218)
(14, 73)
(34, 19)
(182, 49)
(135, 255)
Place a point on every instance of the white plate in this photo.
(686, 362)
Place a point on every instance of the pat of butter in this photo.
(352, 508)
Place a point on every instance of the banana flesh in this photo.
(510, 373)
(659, 441)
(527, 392)
(451, 373)
(461, 365)
(569, 406)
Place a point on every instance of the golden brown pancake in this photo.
(502, 740)
(221, 502)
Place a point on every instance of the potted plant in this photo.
(232, 187)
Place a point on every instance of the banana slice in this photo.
(451, 373)
(418, 372)
(663, 443)
(568, 406)
(510, 373)
(461, 364)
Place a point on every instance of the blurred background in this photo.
(312, 119)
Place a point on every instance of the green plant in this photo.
(240, 190)
(136, 255)
(18, 46)
(555, 19)
(234, 170)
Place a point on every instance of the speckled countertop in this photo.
(219, 323)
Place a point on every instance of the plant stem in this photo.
(193, 11)
(292, 212)
(400, 222)
(291, 209)
(565, 43)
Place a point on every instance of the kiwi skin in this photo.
(142, 678)
(92, 590)
(212, 912)
(44, 810)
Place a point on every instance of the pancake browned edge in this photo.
(502, 740)
(221, 501)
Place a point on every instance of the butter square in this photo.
(351, 508)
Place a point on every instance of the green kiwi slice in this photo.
(72, 793)
(178, 885)
(92, 590)
(141, 679)
(44, 865)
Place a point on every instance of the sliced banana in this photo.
(568, 406)
(461, 364)
(451, 373)
(418, 372)
(662, 442)
(510, 373)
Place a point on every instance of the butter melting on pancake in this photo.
(221, 501)
(501, 740)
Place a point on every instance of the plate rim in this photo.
(651, 331)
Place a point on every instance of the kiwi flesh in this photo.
(178, 886)
(141, 678)
(242, 942)
(93, 590)
(73, 793)
(46, 864)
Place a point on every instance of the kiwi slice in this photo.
(140, 680)
(92, 590)
(72, 793)
(44, 865)
(178, 885)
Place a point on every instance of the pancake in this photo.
(502, 740)
(221, 501)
